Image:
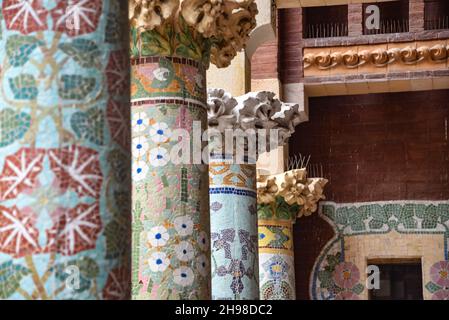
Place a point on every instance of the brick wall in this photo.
(416, 15)
(264, 63)
(290, 52)
(355, 23)
(291, 43)
(310, 235)
(373, 147)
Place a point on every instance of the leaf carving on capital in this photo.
(267, 189)
(296, 189)
(220, 110)
(203, 15)
(378, 57)
(254, 110)
(149, 14)
(217, 29)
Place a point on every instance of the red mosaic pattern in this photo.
(76, 17)
(18, 235)
(20, 172)
(77, 168)
(74, 230)
(118, 116)
(117, 287)
(25, 16)
(117, 73)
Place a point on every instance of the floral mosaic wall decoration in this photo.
(170, 245)
(276, 276)
(439, 286)
(381, 218)
(340, 279)
(232, 189)
(64, 130)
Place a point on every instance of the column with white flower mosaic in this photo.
(64, 150)
(172, 43)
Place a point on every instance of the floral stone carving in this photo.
(195, 29)
(254, 110)
(294, 187)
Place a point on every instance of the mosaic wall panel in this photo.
(276, 260)
(233, 209)
(170, 245)
(395, 229)
(439, 284)
(64, 163)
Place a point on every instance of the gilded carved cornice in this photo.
(197, 29)
(255, 110)
(378, 57)
(294, 187)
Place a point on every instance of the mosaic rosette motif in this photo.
(276, 276)
(276, 259)
(64, 195)
(276, 254)
(171, 255)
(233, 204)
(439, 286)
(335, 278)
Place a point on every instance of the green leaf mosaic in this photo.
(75, 87)
(13, 126)
(10, 276)
(354, 219)
(23, 87)
(19, 48)
(84, 52)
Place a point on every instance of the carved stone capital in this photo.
(255, 110)
(267, 189)
(191, 28)
(295, 187)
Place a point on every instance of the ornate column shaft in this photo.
(281, 199)
(171, 44)
(233, 203)
(64, 121)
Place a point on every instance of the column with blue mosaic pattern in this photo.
(233, 210)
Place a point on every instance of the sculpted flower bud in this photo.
(149, 14)
(202, 15)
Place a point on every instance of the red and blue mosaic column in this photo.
(64, 150)
(172, 43)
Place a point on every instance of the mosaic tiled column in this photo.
(64, 150)
(171, 44)
(281, 199)
(233, 206)
(276, 259)
(233, 193)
